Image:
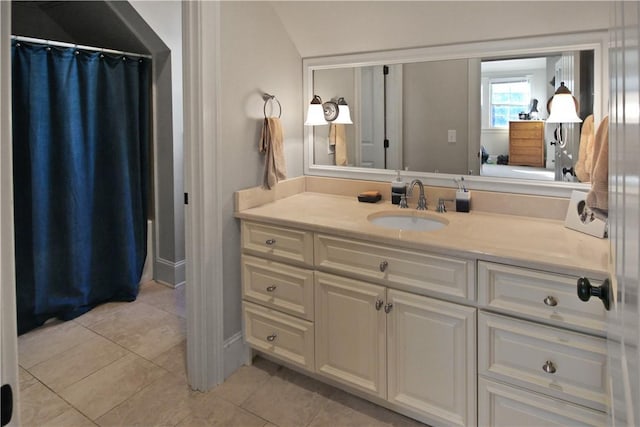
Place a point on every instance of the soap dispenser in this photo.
(398, 188)
(463, 196)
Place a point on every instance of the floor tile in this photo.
(246, 380)
(101, 312)
(224, 414)
(26, 379)
(49, 340)
(69, 418)
(143, 329)
(344, 409)
(103, 390)
(39, 405)
(172, 300)
(77, 363)
(174, 360)
(165, 402)
(289, 399)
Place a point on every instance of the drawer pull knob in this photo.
(270, 242)
(272, 337)
(383, 266)
(379, 304)
(388, 307)
(548, 367)
(550, 301)
(271, 288)
(604, 292)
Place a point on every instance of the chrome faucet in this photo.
(422, 200)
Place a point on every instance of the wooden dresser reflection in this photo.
(526, 143)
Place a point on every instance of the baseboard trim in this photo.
(169, 272)
(235, 351)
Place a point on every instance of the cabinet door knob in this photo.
(271, 288)
(586, 291)
(379, 304)
(550, 301)
(272, 337)
(388, 307)
(383, 266)
(548, 367)
(270, 242)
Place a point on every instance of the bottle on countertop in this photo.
(463, 196)
(398, 188)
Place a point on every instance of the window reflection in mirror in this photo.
(454, 116)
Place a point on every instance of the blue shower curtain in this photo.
(80, 159)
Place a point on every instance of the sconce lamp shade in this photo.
(563, 107)
(315, 113)
(344, 116)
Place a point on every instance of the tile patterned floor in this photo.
(123, 364)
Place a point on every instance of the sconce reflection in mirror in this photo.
(334, 111)
(562, 108)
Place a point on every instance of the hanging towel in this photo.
(337, 138)
(598, 197)
(272, 145)
(585, 155)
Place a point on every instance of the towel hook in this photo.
(267, 97)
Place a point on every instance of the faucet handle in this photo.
(403, 201)
(441, 205)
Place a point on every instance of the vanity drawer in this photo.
(283, 336)
(276, 285)
(559, 363)
(500, 405)
(538, 295)
(404, 269)
(284, 244)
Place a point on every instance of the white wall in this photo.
(432, 107)
(165, 18)
(257, 56)
(329, 28)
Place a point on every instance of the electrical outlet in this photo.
(451, 136)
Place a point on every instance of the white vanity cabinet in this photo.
(447, 340)
(277, 292)
(414, 351)
(541, 352)
(358, 315)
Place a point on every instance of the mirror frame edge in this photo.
(596, 40)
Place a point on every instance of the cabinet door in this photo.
(350, 333)
(432, 358)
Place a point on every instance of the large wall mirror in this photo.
(441, 112)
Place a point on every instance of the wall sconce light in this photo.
(320, 113)
(315, 113)
(344, 116)
(563, 106)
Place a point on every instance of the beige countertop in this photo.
(524, 241)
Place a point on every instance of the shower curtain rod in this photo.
(77, 46)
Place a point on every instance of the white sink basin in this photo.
(411, 221)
